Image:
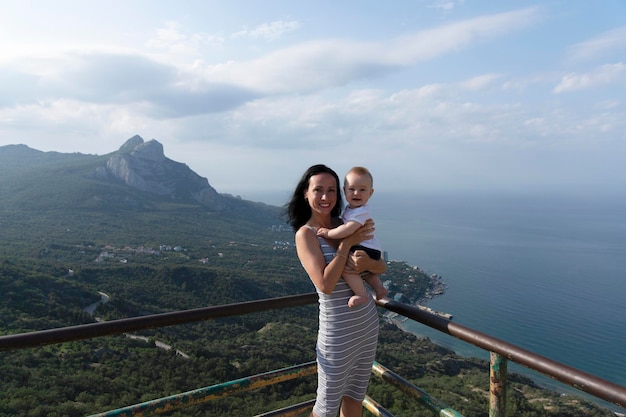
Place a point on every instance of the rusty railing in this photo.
(500, 351)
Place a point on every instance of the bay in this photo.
(544, 272)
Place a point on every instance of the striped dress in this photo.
(346, 345)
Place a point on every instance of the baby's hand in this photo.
(322, 231)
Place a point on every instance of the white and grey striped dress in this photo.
(346, 345)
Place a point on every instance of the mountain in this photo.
(52, 203)
(137, 176)
(144, 166)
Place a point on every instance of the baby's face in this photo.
(358, 189)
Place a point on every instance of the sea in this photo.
(543, 271)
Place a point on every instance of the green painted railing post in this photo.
(497, 385)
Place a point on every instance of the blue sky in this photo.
(447, 95)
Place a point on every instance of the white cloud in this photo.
(269, 31)
(446, 5)
(481, 82)
(431, 43)
(602, 76)
(331, 63)
(606, 44)
(171, 88)
(173, 40)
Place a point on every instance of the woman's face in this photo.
(322, 193)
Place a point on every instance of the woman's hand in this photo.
(361, 261)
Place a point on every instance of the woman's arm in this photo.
(325, 277)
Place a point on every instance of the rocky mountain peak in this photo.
(131, 144)
(144, 166)
(136, 147)
(151, 151)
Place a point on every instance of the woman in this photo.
(347, 336)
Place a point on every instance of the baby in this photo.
(358, 188)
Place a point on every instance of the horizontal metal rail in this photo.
(375, 408)
(408, 388)
(91, 330)
(583, 381)
(291, 411)
(202, 395)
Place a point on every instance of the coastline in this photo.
(438, 289)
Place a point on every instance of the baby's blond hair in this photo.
(360, 171)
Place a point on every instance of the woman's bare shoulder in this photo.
(305, 231)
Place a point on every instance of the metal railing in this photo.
(500, 351)
(202, 395)
(106, 328)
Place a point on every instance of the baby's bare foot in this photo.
(356, 300)
(381, 293)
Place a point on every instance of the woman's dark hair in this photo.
(297, 210)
